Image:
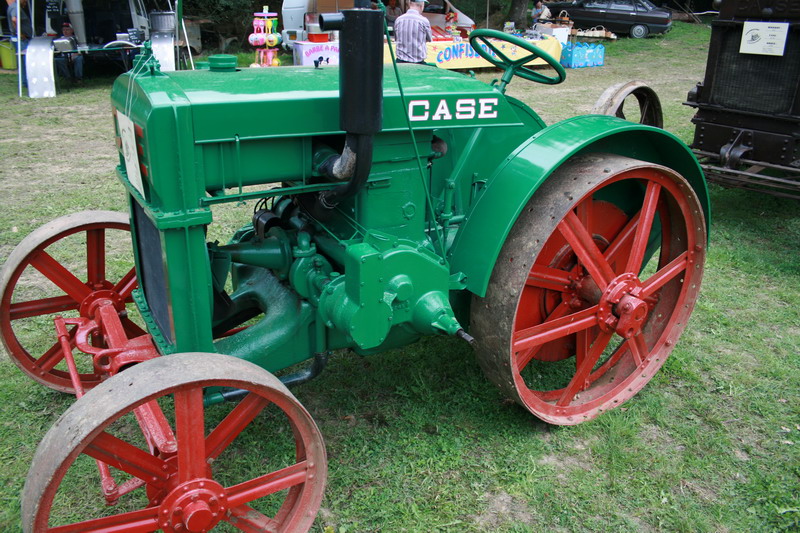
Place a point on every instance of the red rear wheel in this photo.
(592, 288)
(257, 465)
(60, 269)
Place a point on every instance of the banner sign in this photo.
(460, 55)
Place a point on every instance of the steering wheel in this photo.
(479, 40)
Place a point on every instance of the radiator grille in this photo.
(756, 83)
(152, 275)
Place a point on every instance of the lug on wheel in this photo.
(592, 288)
(64, 268)
(194, 471)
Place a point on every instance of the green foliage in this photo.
(231, 18)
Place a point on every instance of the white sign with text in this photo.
(764, 38)
(129, 151)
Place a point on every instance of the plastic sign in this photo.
(764, 38)
(129, 151)
(306, 52)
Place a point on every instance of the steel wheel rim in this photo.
(94, 225)
(639, 31)
(612, 103)
(663, 186)
(188, 470)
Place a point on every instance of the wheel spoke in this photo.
(554, 329)
(125, 286)
(579, 380)
(587, 251)
(58, 274)
(132, 328)
(644, 111)
(247, 519)
(584, 211)
(128, 458)
(45, 306)
(548, 278)
(96, 256)
(190, 429)
(621, 110)
(141, 521)
(267, 484)
(620, 244)
(523, 60)
(675, 268)
(233, 424)
(638, 348)
(583, 344)
(494, 49)
(54, 354)
(524, 357)
(646, 217)
(155, 427)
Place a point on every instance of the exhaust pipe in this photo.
(360, 98)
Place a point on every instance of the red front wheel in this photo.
(63, 268)
(257, 465)
(592, 288)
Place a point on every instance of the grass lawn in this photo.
(418, 439)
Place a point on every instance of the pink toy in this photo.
(265, 26)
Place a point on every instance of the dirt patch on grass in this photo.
(564, 462)
(654, 434)
(501, 509)
(741, 455)
(703, 492)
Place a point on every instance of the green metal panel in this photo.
(171, 189)
(299, 101)
(491, 216)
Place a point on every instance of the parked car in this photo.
(638, 18)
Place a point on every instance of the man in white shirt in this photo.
(412, 32)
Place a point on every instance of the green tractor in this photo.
(387, 206)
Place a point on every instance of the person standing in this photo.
(20, 9)
(12, 12)
(412, 32)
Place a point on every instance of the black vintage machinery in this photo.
(748, 109)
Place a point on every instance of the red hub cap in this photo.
(620, 309)
(195, 506)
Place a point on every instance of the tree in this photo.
(518, 13)
(231, 18)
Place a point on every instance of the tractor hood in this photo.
(301, 101)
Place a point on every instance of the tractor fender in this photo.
(491, 216)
